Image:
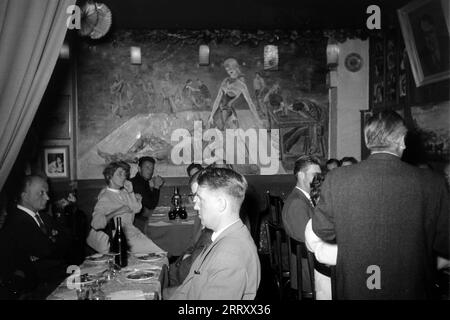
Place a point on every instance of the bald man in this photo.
(31, 242)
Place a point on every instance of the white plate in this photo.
(98, 258)
(141, 275)
(149, 256)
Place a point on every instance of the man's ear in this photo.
(222, 204)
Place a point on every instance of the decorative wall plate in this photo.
(353, 62)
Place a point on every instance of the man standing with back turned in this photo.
(387, 217)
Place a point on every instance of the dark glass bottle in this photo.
(119, 245)
(182, 213)
(176, 203)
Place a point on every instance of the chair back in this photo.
(274, 205)
(276, 237)
(299, 250)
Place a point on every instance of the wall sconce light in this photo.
(332, 53)
(135, 53)
(270, 57)
(203, 55)
(64, 53)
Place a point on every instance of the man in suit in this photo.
(387, 217)
(229, 267)
(147, 187)
(298, 209)
(32, 246)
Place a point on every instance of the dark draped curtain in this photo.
(31, 36)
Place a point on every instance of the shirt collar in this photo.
(29, 212)
(375, 152)
(304, 192)
(217, 233)
(113, 190)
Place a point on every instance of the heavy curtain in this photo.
(31, 36)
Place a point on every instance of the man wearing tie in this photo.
(229, 267)
(31, 243)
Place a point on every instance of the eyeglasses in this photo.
(191, 196)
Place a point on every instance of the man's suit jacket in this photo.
(297, 211)
(179, 270)
(32, 251)
(150, 196)
(228, 269)
(387, 217)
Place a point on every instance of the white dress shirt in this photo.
(325, 253)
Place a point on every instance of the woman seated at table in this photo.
(117, 199)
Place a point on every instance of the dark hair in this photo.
(192, 166)
(230, 181)
(316, 185)
(349, 159)
(144, 159)
(194, 177)
(111, 168)
(303, 162)
(333, 160)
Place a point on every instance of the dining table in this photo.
(173, 236)
(144, 278)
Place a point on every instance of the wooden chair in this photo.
(274, 205)
(275, 238)
(299, 250)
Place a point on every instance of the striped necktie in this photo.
(41, 223)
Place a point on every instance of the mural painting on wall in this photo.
(171, 108)
(430, 127)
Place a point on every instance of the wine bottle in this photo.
(120, 246)
(176, 198)
(176, 202)
(182, 213)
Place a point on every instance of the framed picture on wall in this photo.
(56, 162)
(425, 28)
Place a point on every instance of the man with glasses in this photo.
(229, 267)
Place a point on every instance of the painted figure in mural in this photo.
(259, 85)
(149, 91)
(117, 89)
(204, 92)
(169, 91)
(190, 93)
(274, 101)
(231, 89)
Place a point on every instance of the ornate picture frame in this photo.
(426, 29)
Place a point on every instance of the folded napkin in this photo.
(161, 210)
(159, 224)
(129, 295)
(93, 270)
(65, 294)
